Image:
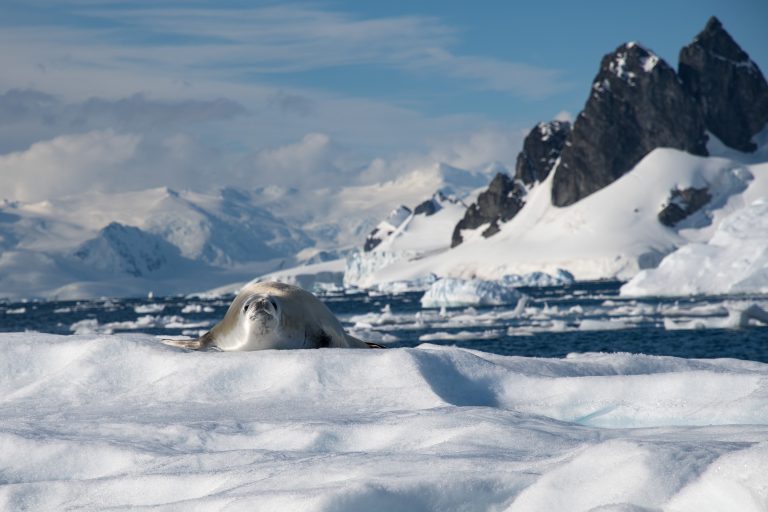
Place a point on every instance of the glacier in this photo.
(733, 261)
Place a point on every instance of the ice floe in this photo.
(122, 421)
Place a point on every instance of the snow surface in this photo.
(734, 260)
(96, 422)
(613, 233)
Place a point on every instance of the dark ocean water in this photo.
(586, 317)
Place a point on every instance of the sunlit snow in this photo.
(734, 260)
(122, 421)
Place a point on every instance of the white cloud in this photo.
(474, 151)
(480, 149)
(315, 161)
(305, 155)
(65, 165)
(184, 137)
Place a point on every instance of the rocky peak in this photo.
(394, 220)
(728, 87)
(431, 206)
(541, 149)
(636, 105)
(501, 201)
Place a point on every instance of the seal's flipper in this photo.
(197, 344)
(188, 344)
(374, 345)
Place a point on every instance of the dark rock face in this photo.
(499, 203)
(683, 203)
(637, 104)
(431, 206)
(541, 148)
(728, 87)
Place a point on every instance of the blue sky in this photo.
(311, 93)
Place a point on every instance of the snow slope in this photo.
(404, 236)
(424, 234)
(612, 233)
(98, 422)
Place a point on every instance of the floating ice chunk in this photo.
(461, 335)
(196, 308)
(538, 279)
(327, 288)
(17, 311)
(92, 326)
(740, 315)
(450, 292)
(143, 309)
(590, 324)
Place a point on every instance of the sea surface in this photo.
(553, 322)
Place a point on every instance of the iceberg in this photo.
(450, 292)
(561, 277)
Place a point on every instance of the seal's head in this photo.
(261, 314)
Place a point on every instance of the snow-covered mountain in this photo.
(613, 233)
(618, 197)
(406, 234)
(170, 241)
(132, 243)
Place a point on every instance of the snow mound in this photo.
(124, 422)
(734, 260)
(451, 292)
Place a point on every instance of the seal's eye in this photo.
(245, 308)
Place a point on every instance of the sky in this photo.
(115, 95)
